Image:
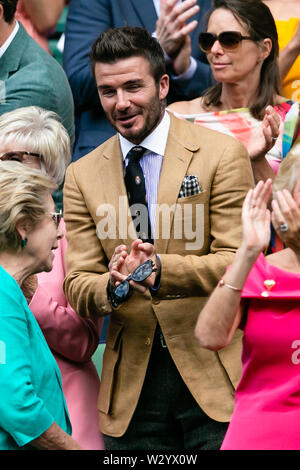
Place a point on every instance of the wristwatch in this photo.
(114, 299)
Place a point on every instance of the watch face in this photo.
(122, 290)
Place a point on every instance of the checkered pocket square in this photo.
(190, 186)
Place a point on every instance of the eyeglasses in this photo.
(56, 217)
(22, 157)
(229, 40)
(138, 275)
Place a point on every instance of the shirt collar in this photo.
(155, 142)
(9, 39)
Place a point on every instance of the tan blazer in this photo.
(189, 273)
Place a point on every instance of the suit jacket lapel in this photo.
(146, 12)
(10, 61)
(177, 158)
(112, 175)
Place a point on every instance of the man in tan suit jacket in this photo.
(159, 389)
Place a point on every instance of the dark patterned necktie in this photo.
(136, 191)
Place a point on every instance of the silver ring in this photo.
(274, 139)
(283, 227)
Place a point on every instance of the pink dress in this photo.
(72, 340)
(267, 400)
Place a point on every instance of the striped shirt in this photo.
(151, 161)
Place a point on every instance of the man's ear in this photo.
(163, 86)
(1, 12)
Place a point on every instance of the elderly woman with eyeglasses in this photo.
(35, 138)
(33, 412)
(241, 45)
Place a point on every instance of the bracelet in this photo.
(222, 283)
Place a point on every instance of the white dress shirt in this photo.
(151, 161)
(9, 39)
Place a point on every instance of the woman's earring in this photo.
(24, 242)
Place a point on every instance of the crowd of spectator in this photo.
(113, 334)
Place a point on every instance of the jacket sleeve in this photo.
(22, 412)
(84, 24)
(86, 263)
(182, 89)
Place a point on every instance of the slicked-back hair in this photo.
(256, 17)
(9, 9)
(122, 43)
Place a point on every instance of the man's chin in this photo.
(131, 134)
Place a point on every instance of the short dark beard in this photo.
(148, 130)
(156, 110)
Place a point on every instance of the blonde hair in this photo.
(289, 171)
(23, 196)
(38, 131)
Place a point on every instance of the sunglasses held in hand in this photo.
(229, 40)
(120, 293)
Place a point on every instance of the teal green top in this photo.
(30, 382)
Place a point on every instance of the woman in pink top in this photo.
(35, 137)
(261, 296)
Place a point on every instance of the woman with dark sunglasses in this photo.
(34, 138)
(242, 48)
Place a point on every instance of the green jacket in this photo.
(29, 76)
(30, 382)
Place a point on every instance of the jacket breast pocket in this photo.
(110, 361)
(191, 221)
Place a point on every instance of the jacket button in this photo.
(148, 341)
(155, 300)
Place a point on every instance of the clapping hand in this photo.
(116, 263)
(256, 218)
(286, 219)
(264, 137)
(126, 264)
(172, 31)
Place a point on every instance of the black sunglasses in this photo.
(229, 40)
(138, 275)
